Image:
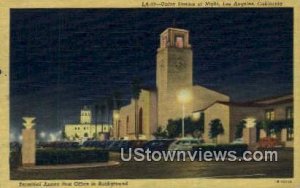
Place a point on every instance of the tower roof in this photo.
(174, 37)
(174, 29)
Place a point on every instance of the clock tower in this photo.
(174, 72)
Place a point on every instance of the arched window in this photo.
(179, 41)
(141, 121)
(127, 124)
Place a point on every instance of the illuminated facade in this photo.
(155, 106)
(86, 129)
(174, 74)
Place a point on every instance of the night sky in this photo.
(62, 59)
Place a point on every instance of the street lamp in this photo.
(20, 138)
(42, 135)
(250, 122)
(52, 137)
(117, 117)
(183, 97)
(12, 137)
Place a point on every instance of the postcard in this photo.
(149, 93)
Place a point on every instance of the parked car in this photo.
(114, 146)
(238, 141)
(185, 144)
(125, 144)
(158, 145)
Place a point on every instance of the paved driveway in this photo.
(134, 170)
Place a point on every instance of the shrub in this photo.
(15, 154)
(70, 156)
(160, 133)
(15, 159)
(268, 142)
(174, 127)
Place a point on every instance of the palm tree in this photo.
(114, 103)
(109, 108)
(102, 112)
(116, 100)
(96, 120)
(135, 86)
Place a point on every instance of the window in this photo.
(179, 42)
(289, 112)
(270, 114)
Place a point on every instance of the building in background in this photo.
(86, 128)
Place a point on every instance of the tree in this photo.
(109, 108)
(135, 86)
(96, 119)
(86, 135)
(174, 127)
(239, 129)
(116, 100)
(216, 128)
(102, 112)
(160, 133)
(199, 124)
(265, 125)
(64, 135)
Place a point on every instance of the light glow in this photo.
(28, 124)
(196, 116)
(184, 96)
(250, 122)
(116, 116)
(43, 134)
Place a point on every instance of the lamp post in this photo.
(116, 117)
(42, 135)
(184, 96)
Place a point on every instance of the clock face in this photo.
(180, 64)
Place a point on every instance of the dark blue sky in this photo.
(63, 59)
